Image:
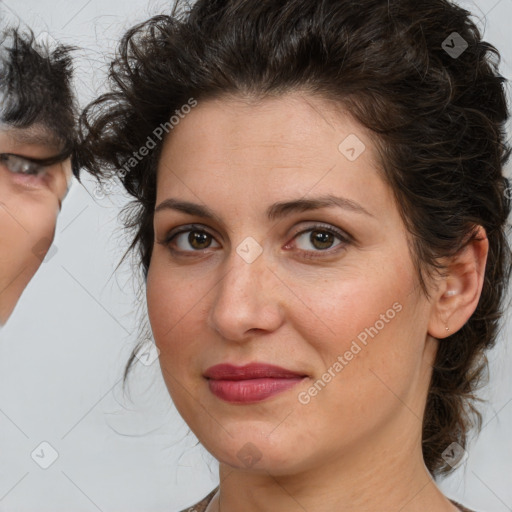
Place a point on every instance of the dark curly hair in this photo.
(418, 75)
(36, 89)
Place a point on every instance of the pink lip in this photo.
(250, 383)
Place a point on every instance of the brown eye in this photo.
(318, 239)
(321, 239)
(191, 240)
(199, 239)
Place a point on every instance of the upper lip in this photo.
(249, 371)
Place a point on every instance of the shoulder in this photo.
(201, 506)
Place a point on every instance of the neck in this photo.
(369, 480)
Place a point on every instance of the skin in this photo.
(29, 206)
(357, 444)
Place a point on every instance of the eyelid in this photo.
(13, 159)
(343, 235)
(344, 241)
(10, 159)
(41, 162)
(169, 236)
(316, 224)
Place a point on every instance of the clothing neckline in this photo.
(201, 506)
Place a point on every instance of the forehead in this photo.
(296, 123)
(233, 154)
(35, 135)
(294, 131)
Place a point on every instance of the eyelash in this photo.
(35, 169)
(344, 239)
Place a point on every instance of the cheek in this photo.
(26, 234)
(365, 336)
(173, 308)
(350, 304)
(27, 229)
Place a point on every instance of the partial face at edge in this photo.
(320, 281)
(29, 205)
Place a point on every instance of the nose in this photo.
(65, 180)
(247, 300)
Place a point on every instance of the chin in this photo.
(252, 449)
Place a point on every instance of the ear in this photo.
(458, 291)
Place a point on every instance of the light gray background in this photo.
(64, 349)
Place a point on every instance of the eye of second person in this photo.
(20, 165)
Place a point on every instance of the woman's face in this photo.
(278, 243)
(29, 204)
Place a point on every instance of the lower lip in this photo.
(250, 390)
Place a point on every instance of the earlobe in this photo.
(459, 290)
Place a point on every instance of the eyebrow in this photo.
(278, 210)
(274, 211)
(34, 135)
